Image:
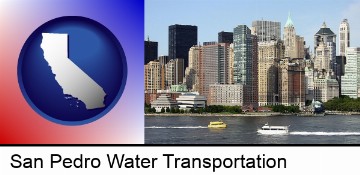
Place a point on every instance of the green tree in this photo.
(177, 110)
(153, 110)
(172, 110)
(167, 109)
(162, 110)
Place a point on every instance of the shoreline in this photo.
(265, 114)
(249, 114)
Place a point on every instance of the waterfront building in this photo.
(181, 39)
(191, 100)
(254, 87)
(213, 65)
(152, 76)
(350, 81)
(266, 30)
(242, 55)
(344, 37)
(325, 88)
(163, 60)
(269, 54)
(292, 82)
(226, 94)
(243, 65)
(152, 96)
(162, 102)
(225, 37)
(151, 51)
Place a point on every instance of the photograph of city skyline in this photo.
(252, 72)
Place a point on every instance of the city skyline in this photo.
(160, 14)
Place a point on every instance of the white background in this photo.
(300, 160)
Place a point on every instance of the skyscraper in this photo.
(270, 53)
(192, 71)
(208, 68)
(242, 55)
(174, 72)
(289, 38)
(266, 30)
(294, 44)
(344, 37)
(243, 72)
(151, 51)
(225, 37)
(214, 65)
(325, 49)
(350, 82)
(181, 39)
(292, 82)
(152, 77)
(254, 93)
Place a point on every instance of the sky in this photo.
(213, 16)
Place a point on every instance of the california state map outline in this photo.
(73, 81)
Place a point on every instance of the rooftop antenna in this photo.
(148, 38)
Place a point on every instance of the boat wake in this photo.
(174, 127)
(326, 133)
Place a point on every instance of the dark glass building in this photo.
(181, 39)
(225, 37)
(151, 51)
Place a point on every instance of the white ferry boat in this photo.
(266, 129)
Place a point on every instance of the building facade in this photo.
(181, 39)
(225, 37)
(291, 82)
(350, 82)
(266, 30)
(174, 72)
(191, 100)
(231, 65)
(151, 51)
(294, 44)
(254, 92)
(226, 94)
(309, 83)
(152, 77)
(325, 49)
(344, 37)
(208, 68)
(162, 102)
(192, 71)
(243, 65)
(323, 58)
(270, 53)
(325, 88)
(242, 55)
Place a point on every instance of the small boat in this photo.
(266, 129)
(217, 124)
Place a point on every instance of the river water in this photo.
(329, 129)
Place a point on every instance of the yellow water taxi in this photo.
(217, 124)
